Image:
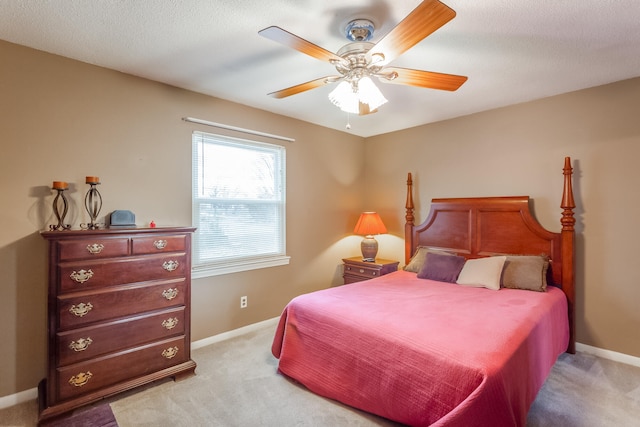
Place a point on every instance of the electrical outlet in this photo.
(243, 302)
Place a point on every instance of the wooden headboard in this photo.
(484, 226)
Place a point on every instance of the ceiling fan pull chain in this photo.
(348, 123)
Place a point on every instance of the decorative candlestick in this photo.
(60, 206)
(92, 203)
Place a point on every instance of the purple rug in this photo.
(94, 416)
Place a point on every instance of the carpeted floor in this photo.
(587, 391)
(237, 384)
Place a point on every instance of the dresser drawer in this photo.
(82, 309)
(84, 377)
(362, 271)
(100, 247)
(349, 278)
(156, 244)
(81, 275)
(85, 343)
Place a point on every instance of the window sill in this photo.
(201, 271)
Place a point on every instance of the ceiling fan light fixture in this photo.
(348, 96)
(368, 93)
(344, 97)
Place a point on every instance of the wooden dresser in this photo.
(118, 313)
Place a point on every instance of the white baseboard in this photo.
(608, 354)
(234, 333)
(15, 399)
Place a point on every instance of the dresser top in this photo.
(111, 231)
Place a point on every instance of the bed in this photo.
(437, 343)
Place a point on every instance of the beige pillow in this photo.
(418, 259)
(526, 272)
(482, 272)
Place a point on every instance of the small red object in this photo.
(152, 224)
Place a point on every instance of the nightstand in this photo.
(356, 270)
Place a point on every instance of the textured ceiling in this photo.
(513, 51)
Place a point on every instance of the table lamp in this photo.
(368, 225)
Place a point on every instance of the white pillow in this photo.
(482, 272)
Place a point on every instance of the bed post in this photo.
(568, 251)
(409, 220)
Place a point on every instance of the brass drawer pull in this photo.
(170, 323)
(82, 275)
(95, 248)
(170, 293)
(81, 309)
(170, 353)
(160, 244)
(80, 379)
(81, 345)
(170, 265)
(361, 270)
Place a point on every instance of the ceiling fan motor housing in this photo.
(358, 63)
(359, 30)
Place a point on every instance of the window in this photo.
(238, 205)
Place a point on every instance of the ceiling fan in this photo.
(358, 61)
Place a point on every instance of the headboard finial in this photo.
(567, 205)
(409, 221)
(409, 205)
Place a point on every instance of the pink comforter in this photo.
(422, 352)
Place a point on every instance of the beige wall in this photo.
(63, 120)
(519, 150)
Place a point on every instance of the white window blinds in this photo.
(238, 204)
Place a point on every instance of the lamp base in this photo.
(369, 248)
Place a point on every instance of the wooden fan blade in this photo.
(422, 21)
(288, 39)
(303, 87)
(428, 79)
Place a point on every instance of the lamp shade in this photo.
(369, 93)
(369, 224)
(345, 98)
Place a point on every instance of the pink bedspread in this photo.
(422, 352)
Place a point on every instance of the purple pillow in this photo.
(443, 268)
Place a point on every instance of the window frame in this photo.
(201, 268)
